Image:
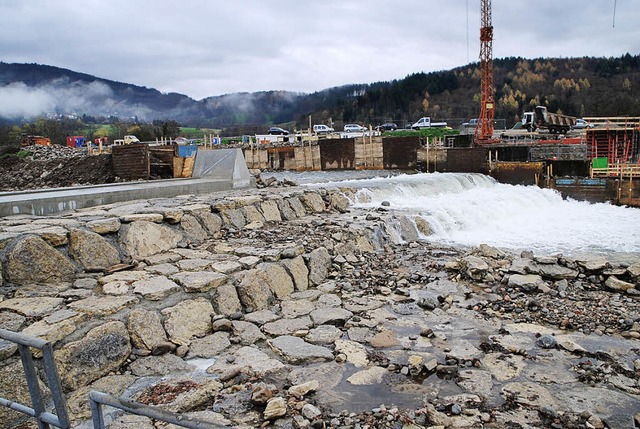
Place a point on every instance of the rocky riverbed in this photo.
(290, 309)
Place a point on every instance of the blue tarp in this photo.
(187, 151)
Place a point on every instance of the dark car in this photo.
(388, 126)
(277, 131)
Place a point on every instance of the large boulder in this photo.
(145, 329)
(92, 250)
(319, 265)
(474, 267)
(254, 290)
(526, 282)
(278, 280)
(270, 211)
(188, 319)
(226, 300)
(143, 238)
(211, 222)
(298, 271)
(32, 260)
(194, 231)
(103, 350)
(314, 202)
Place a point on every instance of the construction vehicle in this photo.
(126, 140)
(35, 140)
(555, 123)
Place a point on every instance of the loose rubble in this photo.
(53, 166)
(286, 308)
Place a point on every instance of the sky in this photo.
(203, 48)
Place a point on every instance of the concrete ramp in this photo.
(214, 171)
(226, 165)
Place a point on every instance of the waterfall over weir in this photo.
(465, 209)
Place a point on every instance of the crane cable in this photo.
(614, 13)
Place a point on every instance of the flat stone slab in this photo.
(330, 315)
(287, 326)
(325, 334)
(261, 317)
(296, 350)
(32, 307)
(199, 281)
(248, 357)
(156, 288)
(103, 306)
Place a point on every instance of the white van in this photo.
(322, 129)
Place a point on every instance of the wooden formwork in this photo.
(369, 153)
(141, 161)
(307, 158)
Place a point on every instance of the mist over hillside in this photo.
(574, 86)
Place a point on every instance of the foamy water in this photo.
(470, 209)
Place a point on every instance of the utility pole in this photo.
(484, 129)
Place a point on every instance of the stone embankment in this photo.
(289, 309)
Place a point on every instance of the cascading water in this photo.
(466, 209)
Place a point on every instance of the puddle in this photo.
(394, 390)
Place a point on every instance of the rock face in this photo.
(102, 350)
(32, 260)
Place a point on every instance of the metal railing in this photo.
(45, 419)
(96, 399)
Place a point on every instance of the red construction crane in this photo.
(484, 130)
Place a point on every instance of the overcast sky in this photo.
(211, 47)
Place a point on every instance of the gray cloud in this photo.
(203, 48)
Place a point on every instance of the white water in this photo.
(470, 209)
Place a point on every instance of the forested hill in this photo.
(574, 86)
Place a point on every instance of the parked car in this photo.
(581, 124)
(387, 126)
(354, 128)
(322, 129)
(277, 131)
(471, 123)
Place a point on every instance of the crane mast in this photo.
(484, 130)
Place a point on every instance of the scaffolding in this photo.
(617, 139)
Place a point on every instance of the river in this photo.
(467, 209)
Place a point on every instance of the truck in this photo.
(555, 123)
(425, 122)
(126, 140)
